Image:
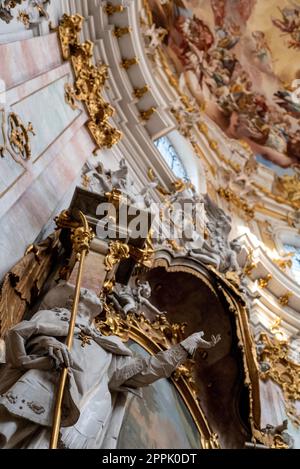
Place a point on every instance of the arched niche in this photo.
(166, 416)
(226, 376)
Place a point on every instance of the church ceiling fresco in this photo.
(242, 59)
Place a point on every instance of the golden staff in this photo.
(81, 240)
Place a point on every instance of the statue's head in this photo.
(62, 296)
(99, 168)
(91, 301)
(236, 246)
(145, 289)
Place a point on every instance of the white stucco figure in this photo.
(102, 181)
(217, 250)
(153, 38)
(131, 300)
(102, 371)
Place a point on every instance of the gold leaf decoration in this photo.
(276, 364)
(15, 136)
(235, 200)
(90, 80)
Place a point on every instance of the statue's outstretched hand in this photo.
(215, 339)
(195, 341)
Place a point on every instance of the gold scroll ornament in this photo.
(117, 252)
(89, 81)
(15, 136)
(234, 200)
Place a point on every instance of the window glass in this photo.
(172, 158)
(295, 260)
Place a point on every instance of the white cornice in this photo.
(268, 307)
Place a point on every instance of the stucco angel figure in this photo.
(102, 181)
(217, 250)
(38, 11)
(102, 371)
(131, 300)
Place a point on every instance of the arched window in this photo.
(289, 248)
(172, 158)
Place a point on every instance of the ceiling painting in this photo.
(241, 59)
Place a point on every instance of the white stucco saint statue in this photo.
(101, 373)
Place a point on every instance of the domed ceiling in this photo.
(241, 59)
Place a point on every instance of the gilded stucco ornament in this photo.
(65, 221)
(23, 17)
(15, 137)
(263, 282)
(140, 92)
(90, 80)
(278, 198)
(70, 96)
(153, 178)
(283, 264)
(34, 13)
(147, 114)
(144, 257)
(115, 197)
(117, 252)
(276, 364)
(250, 264)
(237, 201)
(127, 63)
(6, 9)
(121, 31)
(81, 239)
(285, 299)
(111, 9)
(288, 187)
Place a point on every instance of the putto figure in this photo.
(102, 371)
(131, 300)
